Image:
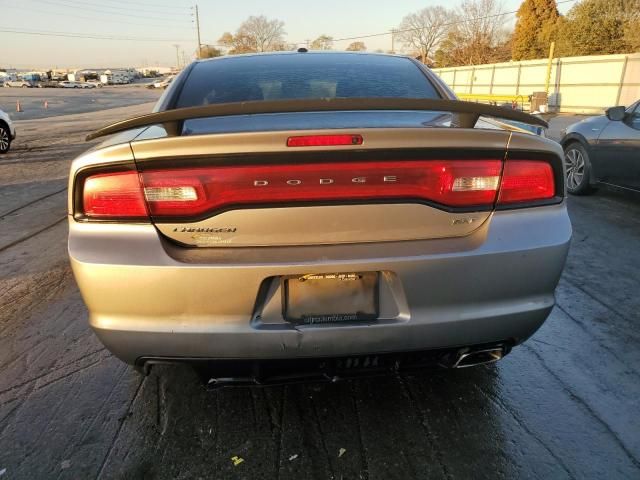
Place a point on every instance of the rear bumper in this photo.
(149, 298)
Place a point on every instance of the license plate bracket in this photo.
(331, 298)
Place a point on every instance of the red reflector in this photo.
(524, 181)
(324, 140)
(196, 191)
(113, 195)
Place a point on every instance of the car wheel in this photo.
(25, 86)
(5, 139)
(578, 166)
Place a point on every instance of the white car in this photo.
(164, 83)
(7, 132)
(68, 84)
(17, 83)
(87, 85)
(95, 83)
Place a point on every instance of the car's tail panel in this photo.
(321, 186)
(375, 190)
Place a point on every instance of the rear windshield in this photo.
(304, 75)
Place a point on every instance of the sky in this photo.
(148, 30)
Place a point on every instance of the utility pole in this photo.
(393, 41)
(198, 29)
(549, 65)
(177, 55)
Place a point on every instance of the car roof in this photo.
(297, 53)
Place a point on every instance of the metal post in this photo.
(177, 55)
(493, 74)
(198, 29)
(453, 86)
(624, 72)
(473, 74)
(546, 85)
(518, 80)
(393, 41)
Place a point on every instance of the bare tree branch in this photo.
(256, 34)
(424, 30)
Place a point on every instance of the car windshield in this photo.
(301, 76)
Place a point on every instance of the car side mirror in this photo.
(615, 114)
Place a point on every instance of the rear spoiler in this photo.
(467, 113)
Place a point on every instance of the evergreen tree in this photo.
(535, 29)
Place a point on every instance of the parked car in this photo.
(69, 84)
(162, 83)
(604, 150)
(49, 84)
(321, 213)
(17, 84)
(87, 85)
(7, 132)
(96, 83)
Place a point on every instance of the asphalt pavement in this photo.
(50, 102)
(566, 404)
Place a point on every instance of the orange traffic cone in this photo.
(46, 104)
(18, 107)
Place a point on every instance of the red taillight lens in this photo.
(324, 140)
(113, 195)
(193, 192)
(456, 183)
(526, 181)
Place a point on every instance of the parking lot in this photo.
(564, 405)
(65, 101)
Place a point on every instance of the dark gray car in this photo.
(604, 150)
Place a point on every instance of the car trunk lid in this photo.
(305, 187)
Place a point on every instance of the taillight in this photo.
(113, 195)
(193, 192)
(526, 181)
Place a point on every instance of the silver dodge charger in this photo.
(306, 214)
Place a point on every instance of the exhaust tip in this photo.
(480, 357)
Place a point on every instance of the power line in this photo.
(47, 33)
(81, 4)
(120, 22)
(144, 4)
(395, 32)
(91, 36)
(169, 19)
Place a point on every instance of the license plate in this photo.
(331, 298)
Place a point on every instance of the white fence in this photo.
(578, 84)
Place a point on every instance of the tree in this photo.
(599, 27)
(424, 30)
(209, 51)
(237, 43)
(477, 37)
(356, 47)
(632, 32)
(535, 29)
(256, 34)
(323, 42)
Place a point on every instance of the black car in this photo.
(604, 150)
